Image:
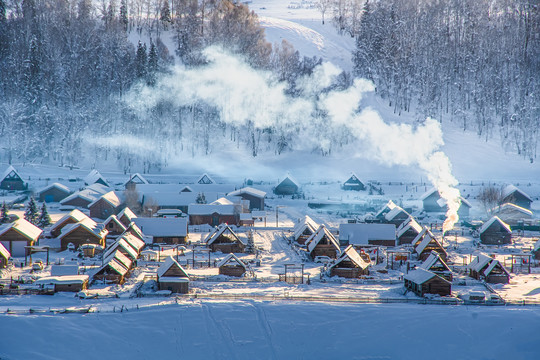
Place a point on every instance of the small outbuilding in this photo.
(304, 229)
(287, 186)
(225, 240)
(351, 264)
(172, 276)
(69, 283)
(323, 243)
(54, 192)
(16, 236)
(490, 270)
(231, 265)
(425, 243)
(423, 282)
(437, 265)
(254, 196)
(11, 180)
(511, 194)
(112, 271)
(354, 183)
(164, 230)
(495, 232)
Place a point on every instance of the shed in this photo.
(126, 216)
(287, 186)
(495, 232)
(486, 268)
(114, 225)
(164, 230)
(94, 177)
(83, 232)
(512, 214)
(408, 231)
(4, 256)
(71, 283)
(323, 243)
(231, 265)
(224, 239)
(11, 180)
(54, 192)
(367, 234)
(351, 264)
(353, 183)
(108, 204)
(254, 196)
(511, 194)
(423, 282)
(17, 235)
(173, 277)
(437, 265)
(304, 229)
(73, 217)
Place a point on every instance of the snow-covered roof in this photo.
(134, 228)
(510, 189)
(509, 208)
(491, 221)
(353, 255)
(219, 230)
(420, 276)
(352, 180)
(492, 266)
(75, 215)
(316, 237)
(90, 225)
(428, 238)
(111, 197)
(428, 193)
(394, 213)
(306, 223)
(432, 259)
(207, 209)
(170, 262)
(56, 185)
(480, 262)
(136, 179)
(120, 258)
(23, 227)
(114, 219)
(4, 252)
(8, 171)
(222, 201)
(362, 233)
(62, 270)
(93, 177)
(291, 179)
(405, 226)
(62, 279)
(163, 227)
(130, 215)
(124, 245)
(205, 179)
(115, 265)
(90, 193)
(231, 258)
(248, 190)
(389, 206)
(134, 241)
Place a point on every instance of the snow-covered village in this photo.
(269, 179)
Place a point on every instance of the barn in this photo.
(495, 232)
(323, 243)
(351, 264)
(83, 232)
(254, 196)
(107, 205)
(11, 180)
(486, 268)
(367, 234)
(172, 276)
(4, 256)
(353, 183)
(425, 243)
(68, 283)
(164, 230)
(287, 186)
(437, 265)
(423, 282)
(224, 239)
(55, 192)
(18, 234)
(304, 229)
(94, 177)
(408, 231)
(114, 225)
(511, 194)
(231, 265)
(73, 217)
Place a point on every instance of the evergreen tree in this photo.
(4, 214)
(141, 61)
(31, 212)
(111, 12)
(201, 199)
(83, 10)
(165, 12)
(44, 218)
(152, 64)
(124, 14)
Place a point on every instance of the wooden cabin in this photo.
(164, 230)
(437, 265)
(126, 216)
(133, 241)
(287, 186)
(367, 234)
(423, 282)
(83, 232)
(73, 217)
(18, 234)
(124, 247)
(304, 229)
(107, 205)
(11, 180)
(225, 240)
(231, 265)
(94, 177)
(425, 243)
(354, 183)
(396, 216)
(134, 180)
(495, 232)
(91, 250)
(323, 243)
(254, 196)
(380, 216)
(114, 225)
(433, 202)
(351, 264)
(55, 192)
(4, 256)
(85, 197)
(172, 276)
(408, 231)
(511, 194)
(69, 283)
(112, 271)
(512, 214)
(221, 211)
(135, 231)
(490, 270)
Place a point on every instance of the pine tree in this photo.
(44, 218)
(31, 212)
(4, 214)
(165, 12)
(124, 14)
(141, 61)
(201, 199)
(152, 64)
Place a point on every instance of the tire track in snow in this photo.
(265, 327)
(225, 335)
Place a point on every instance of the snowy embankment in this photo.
(262, 330)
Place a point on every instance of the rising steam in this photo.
(241, 94)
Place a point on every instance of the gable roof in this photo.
(353, 255)
(113, 218)
(10, 171)
(134, 228)
(93, 177)
(306, 223)
(75, 215)
(385, 209)
(167, 227)
(491, 221)
(363, 233)
(510, 189)
(353, 180)
(114, 265)
(316, 237)
(133, 241)
(392, 214)
(4, 252)
(406, 225)
(136, 179)
(121, 258)
(508, 208)
(428, 193)
(124, 245)
(428, 238)
(432, 259)
(289, 178)
(130, 215)
(219, 230)
(205, 179)
(249, 191)
(420, 276)
(56, 185)
(170, 262)
(207, 209)
(231, 258)
(89, 225)
(23, 227)
(222, 201)
(111, 197)
(483, 261)
(90, 193)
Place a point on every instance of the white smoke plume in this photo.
(242, 94)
